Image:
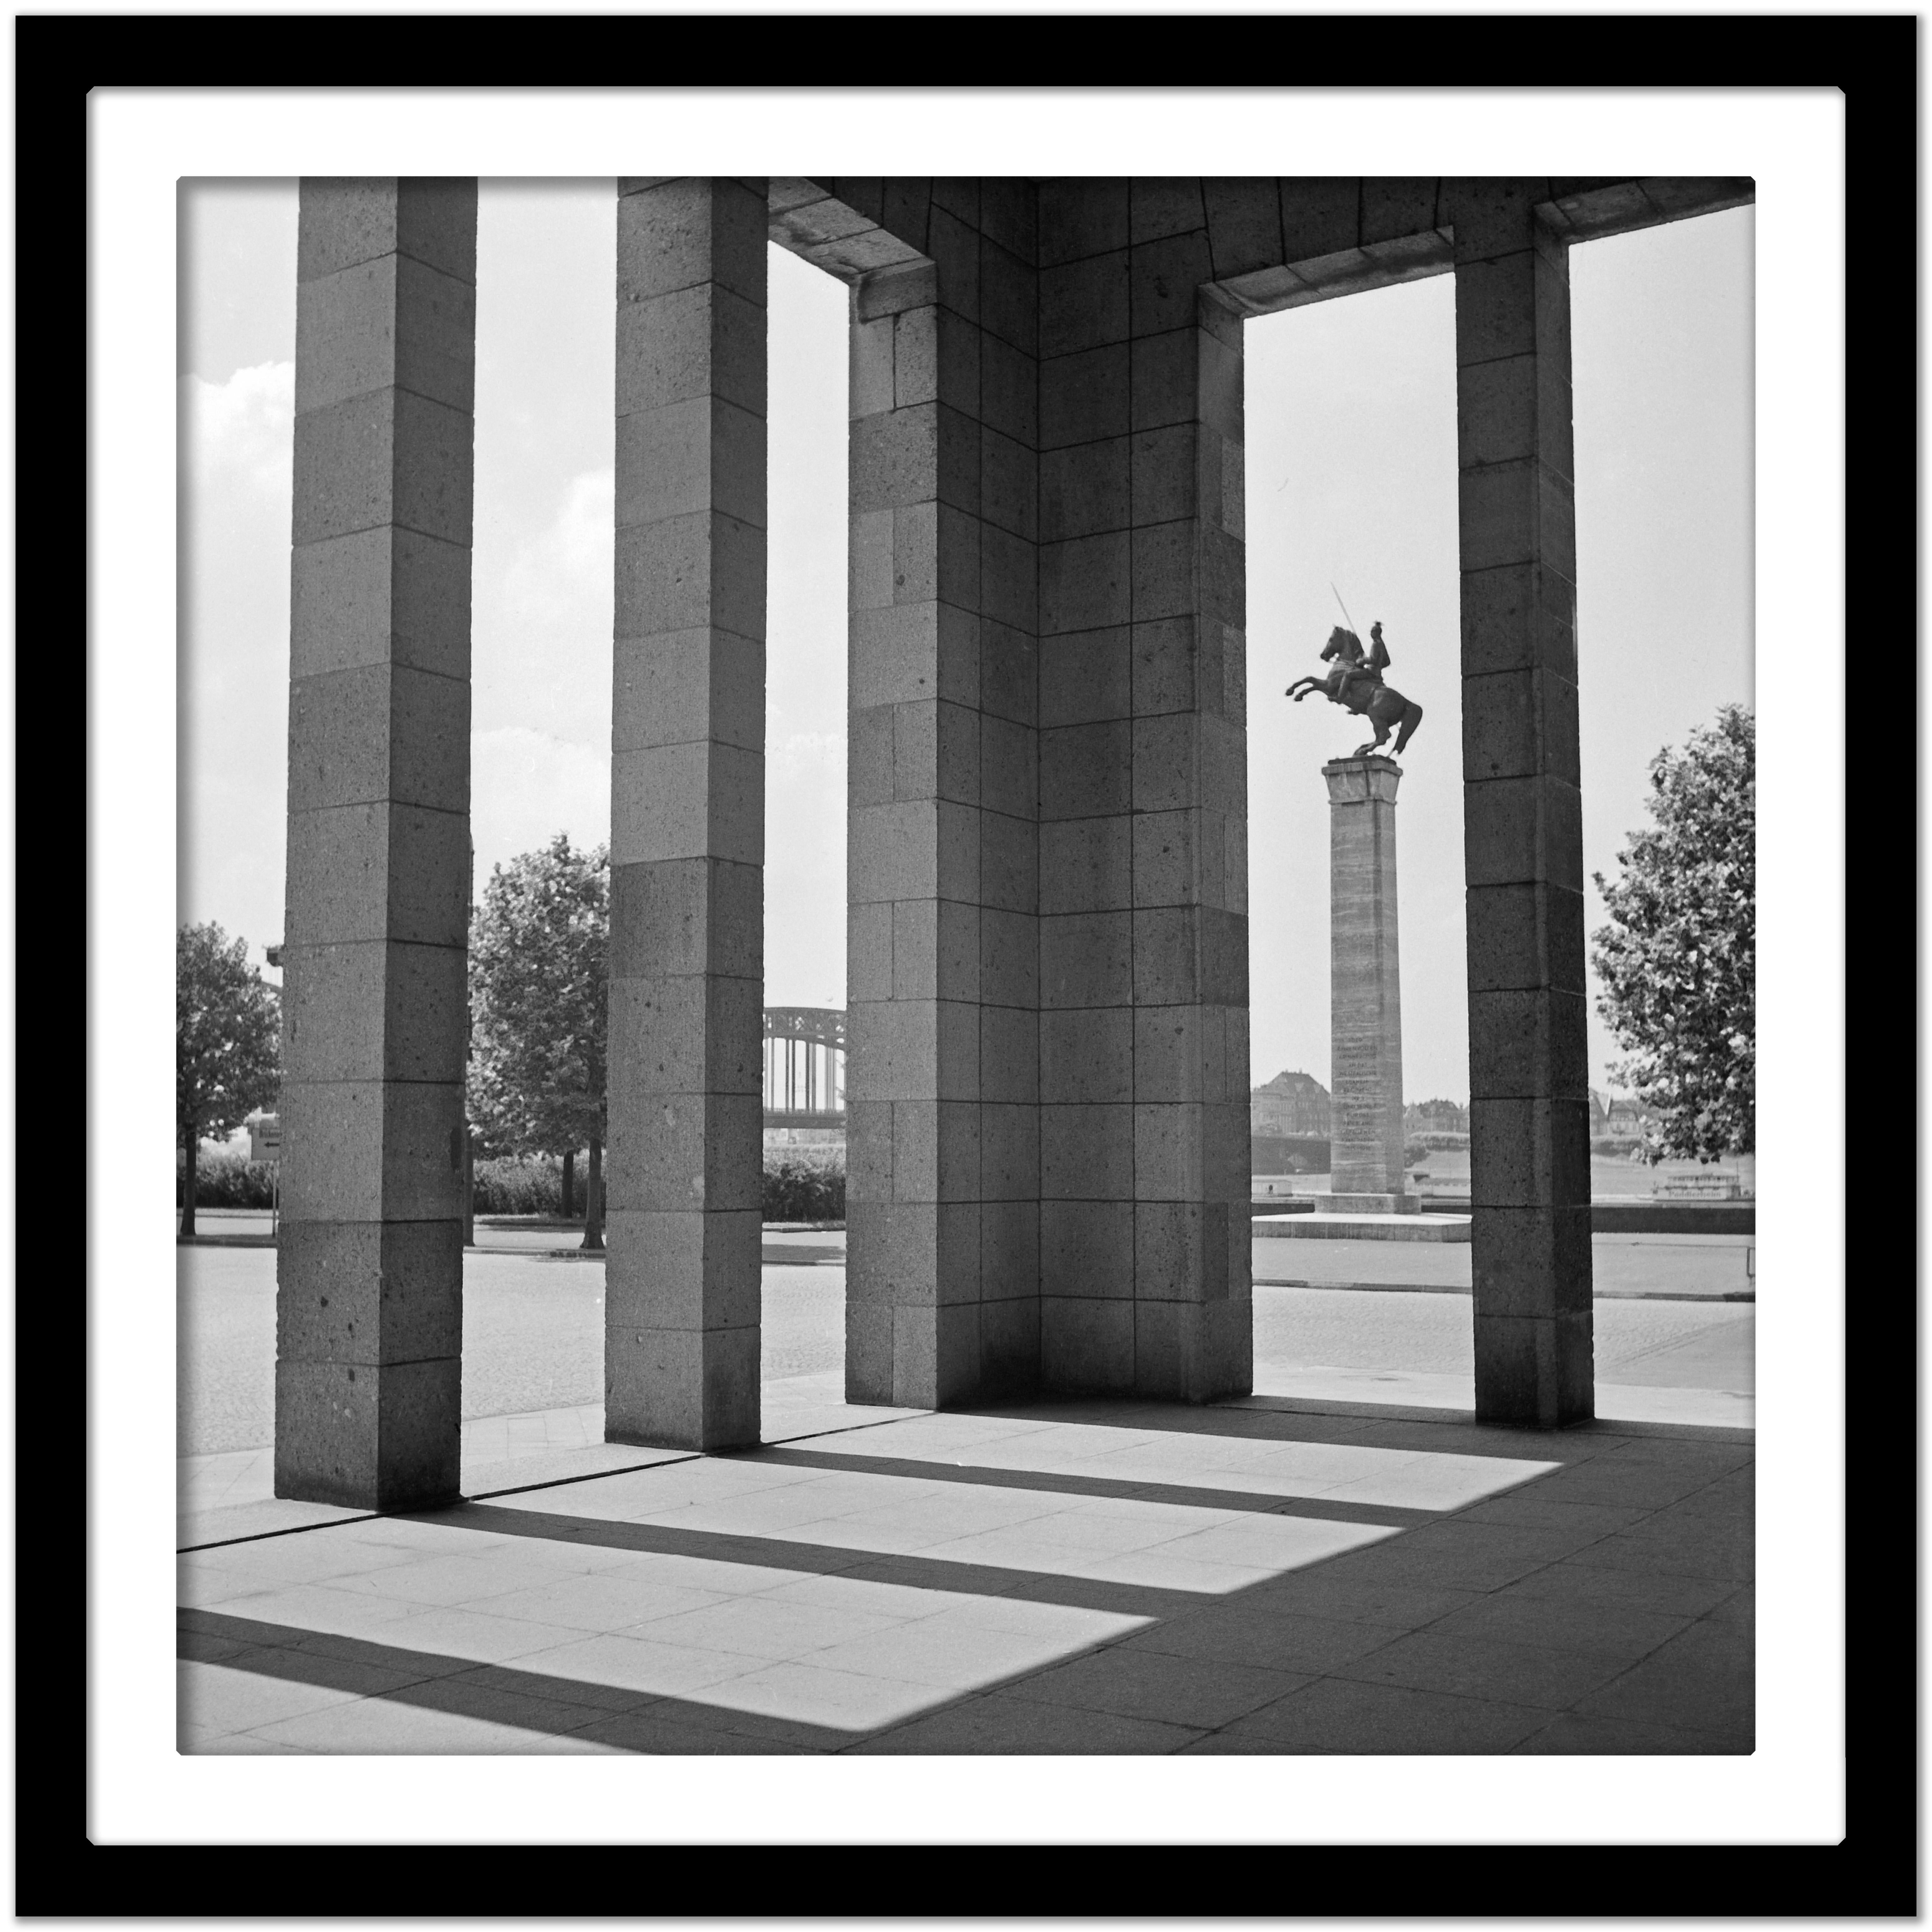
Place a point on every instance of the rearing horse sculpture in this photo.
(1356, 684)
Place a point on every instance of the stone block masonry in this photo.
(1529, 1162)
(1048, 835)
(1048, 859)
(943, 987)
(1145, 1272)
(1367, 1171)
(681, 1312)
(369, 1288)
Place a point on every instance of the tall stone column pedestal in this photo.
(681, 1336)
(1365, 992)
(369, 1277)
(1529, 1145)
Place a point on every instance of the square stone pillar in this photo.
(1528, 1067)
(943, 1214)
(369, 1294)
(1366, 1173)
(681, 1309)
(1145, 1276)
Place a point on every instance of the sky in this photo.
(1351, 480)
(1351, 483)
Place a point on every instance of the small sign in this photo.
(1700, 1187)
(265, 1138)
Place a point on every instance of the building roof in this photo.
(1294, 1083)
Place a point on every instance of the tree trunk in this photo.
(189, 1138)
(593, 1199)
(469, 1189)
(569, 1182)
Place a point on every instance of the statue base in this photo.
(1363, 1228)
(1368, 1204)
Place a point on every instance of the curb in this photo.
(1447, 1287)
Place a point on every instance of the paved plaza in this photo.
(1286, 1531)
(1368, 1321)
(1074, 1578)
(1286, 1573)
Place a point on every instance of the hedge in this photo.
(510, 1186)
(502, 1187)
(802, 1189)
(803, 1183)
(800, 1184)
(227, 1180)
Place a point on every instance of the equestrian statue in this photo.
(1354, 681)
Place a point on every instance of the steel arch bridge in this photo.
(804, 1066)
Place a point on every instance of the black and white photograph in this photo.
(862, 1169)
(814, 1117)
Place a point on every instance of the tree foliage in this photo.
(539, 971)
(228, 1040)
(1678, 962)
(228, 1032)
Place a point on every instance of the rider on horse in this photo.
(1355, 683)
(1351, 667)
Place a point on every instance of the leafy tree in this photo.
(1678, 960)
(227, 1043)
(539, 977)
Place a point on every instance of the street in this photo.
(533, 1326)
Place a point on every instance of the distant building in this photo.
(1435, 1116)
(1291, 1103)
(1616, 1117)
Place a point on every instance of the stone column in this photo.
(369, 1297)
(942, 1302)
(1364, 991)
(681, 1335)
(1529, 1130)
(1143, 869)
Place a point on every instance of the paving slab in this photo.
(1021, 1726)
(1344, 1715)
(1570, 1735)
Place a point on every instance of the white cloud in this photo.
(542, 605)
(244, 427)
(803, 755)
(527, 786)
(805, 869)
(236, 451)
(565, 569)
